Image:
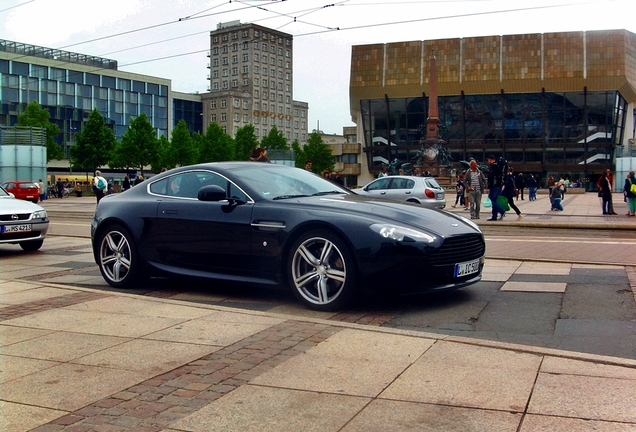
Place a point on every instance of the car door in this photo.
(209, 237)
(400, 189)
(378, 188)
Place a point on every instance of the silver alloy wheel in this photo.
(318, 271)
(115, 256)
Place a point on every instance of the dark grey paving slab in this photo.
(519, 312)
(612, 338)
(599, 302)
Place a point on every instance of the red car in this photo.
(25, 190)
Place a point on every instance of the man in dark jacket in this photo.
(495, 182)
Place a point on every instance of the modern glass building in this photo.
(552, 104)
(71, 85)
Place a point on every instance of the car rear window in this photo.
(432, 183)
(26, 186)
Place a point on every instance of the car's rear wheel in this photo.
(321, 271)
(31, 245)
(118, 258)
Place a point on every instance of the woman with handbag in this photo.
(510, 192)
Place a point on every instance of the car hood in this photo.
(434, 221)
(10, 205)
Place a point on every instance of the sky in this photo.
(170, 38)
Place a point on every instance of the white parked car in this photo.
(420, 190)
(22, 222)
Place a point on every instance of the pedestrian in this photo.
(605, 192)
(459, 190)
(383, 172)
(520, 184)
(41, 190)
(630, 193)
(59, 185)
(551, 183)
(495, 182)
(509, 190)
(339, 180)
(532, 188)
(475, 183)
(139, 179)
(308, 165)
(259, 154)
(556, 197)
(100, 185)
(126, 183)
(326, 175)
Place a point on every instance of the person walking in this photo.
(475, 183)
(100, 185)
(605, 192)
(495, 182)
(59, 185)
(126, 183)
(520, 184)
(630, 193)
(551, 184)
(509, 190)
(459, 190)
(532, 188)
(41, 190)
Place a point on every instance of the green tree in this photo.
(181, 149)
(36, 116)
(216, 145)
(160, 161)
(275, 140)
(316, 151)
(138, 146)
(94, 144)
(244, 141)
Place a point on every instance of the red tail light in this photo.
(429, 193)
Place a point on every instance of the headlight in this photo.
(400, 233)
(40, 214)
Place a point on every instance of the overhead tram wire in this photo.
(16, 6)
(450, 17)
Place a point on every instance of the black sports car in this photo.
(275, 225)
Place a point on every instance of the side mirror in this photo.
(212, 193)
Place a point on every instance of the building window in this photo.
(225, 72)
(216, 39)
(245, 104)
(244, 118)
(215, 73)
(246, 69)
(225, 49)
(256, 58)
(224, 128)
(213, 104)
(215, 51)
(272, 49)
(223, 116)
(256, 33)
(223, 103)
(264, 59)
(237, 103)
(246, 57)
(225, 85)
(215, 86)
(236, 117)
(224, 61)
(302, 113)
(246, 33)
(213, 118)
(234, 71)
(264, 47)
(257, 81)
(256, 106)
(215, 62)
(234, 59)
(256, 94)
(245, 82)
(256, 70)
(264, 83)
(234, 35)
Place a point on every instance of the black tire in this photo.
(31, 246)
(117, 257)
(321, 271)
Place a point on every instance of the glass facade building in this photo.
(552, 104)
(71, 85)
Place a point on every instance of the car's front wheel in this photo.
(321, 271)
(117, 257)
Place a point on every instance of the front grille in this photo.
(21, 216)
(459, 249)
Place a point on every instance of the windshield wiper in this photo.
(289, 197)
(333, 192)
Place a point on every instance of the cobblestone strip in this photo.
(377, 319)
(152, 405)
(23, 309)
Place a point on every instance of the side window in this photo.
(380, 184)
(187, 185)
(398, 183)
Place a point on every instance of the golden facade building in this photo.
(552, 103)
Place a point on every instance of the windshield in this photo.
(276, 183)
(3, 193)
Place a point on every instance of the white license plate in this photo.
(467, 268)
(9, 229)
